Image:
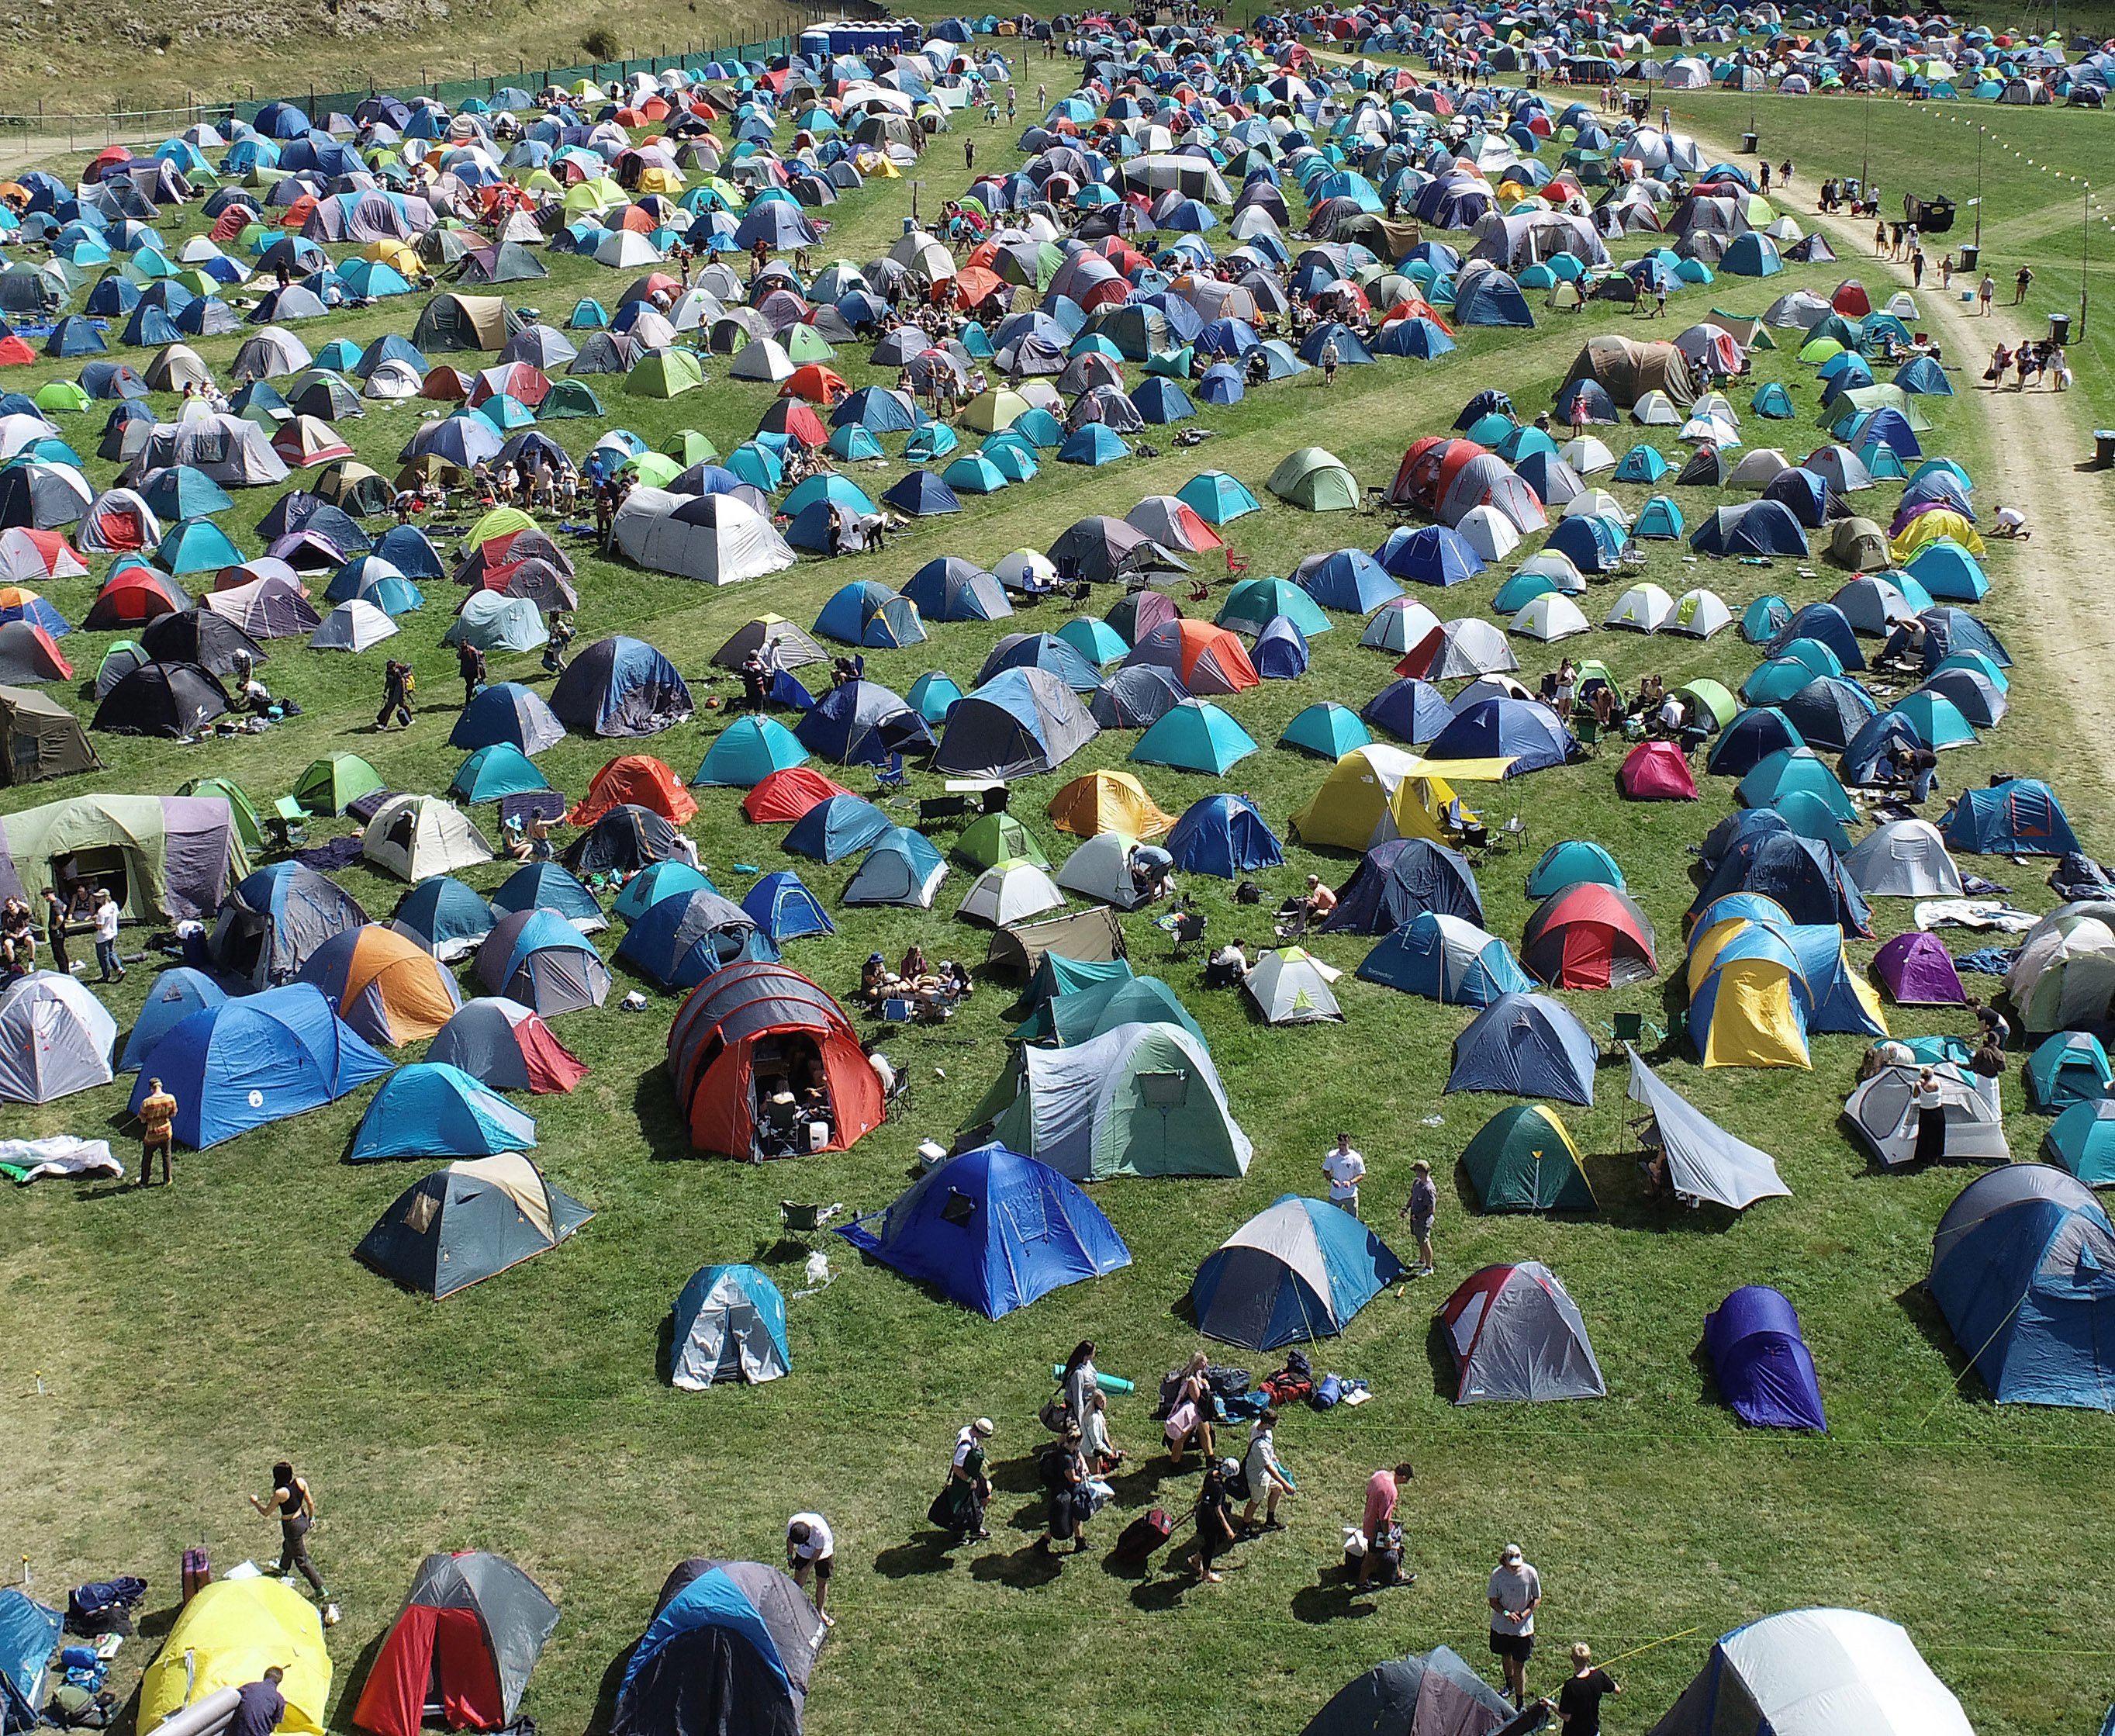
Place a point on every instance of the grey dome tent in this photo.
(469, 1221)
(475, 1625)
(1515, 1333)
(1433, 1693)
(730, 1326)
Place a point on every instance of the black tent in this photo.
(161, 699)
(627, 838)
(1435, 1691)
(198, 635)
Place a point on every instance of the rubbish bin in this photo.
(2059, 331)
(2104, 448)
(1971, 257)
(1749, 147)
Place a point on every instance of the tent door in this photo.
(104, 865)
(466, 1679)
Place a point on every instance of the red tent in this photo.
(1590, 936)
(1208, 660)
(1851, 300)
(132, 596)
(784, 795)
(797, 421)
(1656, 771)
(469, 1635)
(634, 780)
(815, 383)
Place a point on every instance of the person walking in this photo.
(398, 686)
(1513, 1594)
(1067, 1503)
(55, 931)
(1578, 1702)
(1383, 1492)
(1344, 1168)
(1986, 293)
(259, 1705)
(293, 1504)
(1081, 1380)
(1916, 267)
(959, 1508)
(1267, 1478)
(470, 664)
(1421, 1208)
(106, 936)
(811, 1550)
(1214, 1521)
(157, 1116)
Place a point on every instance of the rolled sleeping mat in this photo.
(208, 1717)
(1113, 1383)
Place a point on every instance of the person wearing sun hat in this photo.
(959, 1508)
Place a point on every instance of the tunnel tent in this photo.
(729, 1326)
(474, 1625)
(1760, 1360)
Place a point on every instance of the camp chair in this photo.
(896, 1010)
(1185, 925)
(1586, 731)
(286, 825)
(1236, 566)
(932, 808)
(889, 779)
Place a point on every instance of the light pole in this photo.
(1979, 195)
(1865, 168)
(2084, 245)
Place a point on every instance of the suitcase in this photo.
(1138, 1540)
(197, 1573)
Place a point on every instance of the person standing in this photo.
(1929, 1099)
(1329, 359)
(812, 1549)
(259, 1705)
(1345, 1170)
(158, 1115)
(1267, 1480)
(1384, 1491)
(960, 1509)
(1067, 1501)
(1986, 1067)
(106, 936)
(1215, 1520)
(1081, 1380)
(1986, 293)
(1513, 1594)
(396, 688)
(293, 1504)
(55, 931)
(1578, 1702)
(1421, 1208)
(2022, 280)
(470, 664)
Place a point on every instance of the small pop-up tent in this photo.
(1435, 1692)
(730, 1648)
(1298, 1271)
(730, 1324)
(1526, 1045)
(1516, 1334)
(991, 1230)
(469, 1633)
(1523, 1159)
(503, 1045)
(56, 1038)
(432, 1109)
(469, 1221)
(1761, 1363)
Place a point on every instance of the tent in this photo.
(1315, 481)
(504, 1045)
(275, 918)
(383, 984)
(1297, 1271)
(2081, 1141)
(56, 1038)
(1760, 1361)
(174, 996)
(2019, 817)
(903, 868)
(507, 712)
(736, 1020)
(44, 739)
(1223, 835)
(28, 1635)
(1815, 1672)
(863, 722)
(637, 780)
(1590, 936)
(993, 1231)
(1703, 1161)
(1194, 735)
(1290, 986)
(1021, 722)
(538, 958)
(432, 1109)
(1570, 862)
(416, 836)
(747, 751)
(1445, 959)
(1882, 1112)
(1523, 1159)
(1526, 1045)
(1903, 859)
(1108, 801)
(837, 828)
(1515, 1333)
(730, 1324)
(255, 1059)
(783, 909)
(473, 1625)
(1435, 1692)
(469, 1222)
(618, 686)
(1656, 771)
(1917, 971)
(1141, 1099)
(228, 1634)
(2069, 1067)
(730, 1648)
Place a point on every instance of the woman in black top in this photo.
(1578, 1702)
(294, 1506)
(1215, 1521)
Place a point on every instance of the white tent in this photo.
(1291, 986)
(1588, 454)
(1699, 614)
(1099, 869)
(1883, 1112)
(1550, 616)
(1488, 531)
(353, 626)
(714, 539)
(1816, 1673)
(56, 1038)
(417, 837)
(763, 360)
(1396, 625)
(1703, 1161)
(1010, 893)
(1904, 859)
(1644, 607)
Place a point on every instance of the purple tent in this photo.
(1761, 1363)
(1917, 971)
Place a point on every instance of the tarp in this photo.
(1703, 1161)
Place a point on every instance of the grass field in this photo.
(173, 1343)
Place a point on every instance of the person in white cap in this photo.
(1515, 1590)
(959, 1509)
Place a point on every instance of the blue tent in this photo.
(1802, 874)
(904, 868)
(1759, 527)
(1092, 443)
(747, 751)
(444, 916)
(785, 910)
(1347, 579)
(831, 830)
(1751, 737)
(2019, 817)
(1223, 835)
(496, 772)
(918, 493)
(29, 1634)
(862, 722)
(1447, 959)
(1490, 298)
(432, 1109)
(1280, 652)
(1162, 400)
(1430, 555)
(617, 686)
(2081, 1141)
(2023, 1268)
(1194, 735)
(1527, 732)
(1298, 1271)
(549, 886)
(1826, 624)
(1526, 1045)
(991, 1230)
(175, 994)
(948, 588)
(1569, 863)
(730, 1324)
(656, 881)
(867, 613)
(1399, 880)
(1753, 255)
(1410, 709)
(682, 939)
(257, 1059)
(1021, 722)
(2070, 1066)
(1760, 1361)
(932, 694)
(730, 1648)
(1216, 497)
(1591, 544)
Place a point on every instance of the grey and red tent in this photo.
(469, 1633)
(1516, 1335)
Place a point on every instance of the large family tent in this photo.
(1761, 1363)
(729, 1652)
(1523, 1160)
(714, 1053)
(228, 1634)
(1433, 1693)
(504, 1044)
(730, 1324)
(2023, 1268)
(1816, 1673)
(619, 686)
(1140, 1099)
(432, 1109)
(467, 1638)
(56, 1038)
(160, 855)
(1515, 1333)
(1298, 1271)
(255, 1059)
(1703, 1161)
(1526, 1045)
(468, 1222)
(992, 1231)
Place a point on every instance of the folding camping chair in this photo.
(1236, 566)
(1185, 925)
(287, 826)
(889, 780)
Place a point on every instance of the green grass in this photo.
(173, 1343)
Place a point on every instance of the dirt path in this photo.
(2039, 442)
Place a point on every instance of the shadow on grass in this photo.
(928, 1552)
(604, 1714)
(1024, 1569)
(1333, 1598)
(1614, 1178)
(1440, 1356)
(1918, 1303)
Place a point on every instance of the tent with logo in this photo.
(1762, 1365)
(1516, 1335)
(993, 1231)
(1297, 1271)
(730, 1324)
(731, 1647)
(227, 1635)
(1526, 1045)
(1523, 1159)
(467, 1639)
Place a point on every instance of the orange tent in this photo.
(638, 781)
(815, 383)
(385, 985)
(1108, 801)
(974, 285)
(784, 795)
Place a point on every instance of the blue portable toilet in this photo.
(1298, 1271)
(730, 1324)
(432, 1109)
(1761, 1363)
(1223, 835)
(992, 1231)
(786, 910)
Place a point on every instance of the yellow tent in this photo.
(989, 412)
(1749, 1017)
(395, 255)
(1108, 801)
(1929, 527)
(231, 1633)
(1378, 792)
(499, 521)
(658, 180)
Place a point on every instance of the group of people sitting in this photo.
(793, 1109)
(931, 991)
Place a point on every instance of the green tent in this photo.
(569, 397)
(334, 782)
(999, 837)
(1315, 479)
(1254, 604)
(1055, 975)
(249, 823)
(1142, 1099)
(1713, 697)
(44, 739)
(805, 343)
(167, 857)
(1524, 1161)
(665, 373)
(1084, 1014)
